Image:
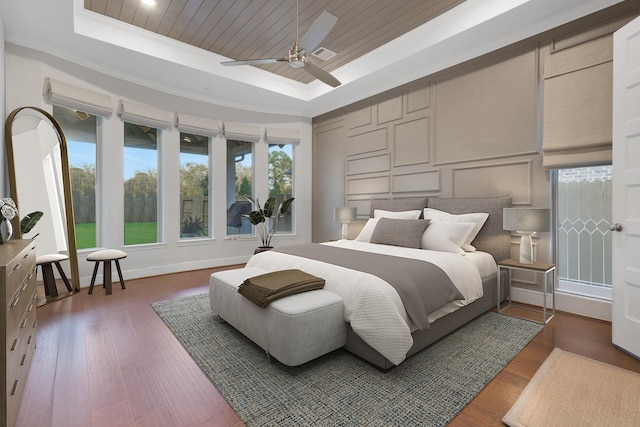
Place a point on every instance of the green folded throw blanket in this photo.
(263, 289)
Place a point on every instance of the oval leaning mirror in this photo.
(39, 178)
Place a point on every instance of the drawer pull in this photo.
(29, 339)
(24, 323)
(35, 323)
(24, 357)
(30, 308)
(24, 286)
(14, 302)
(15, 387)
(15, 344)
(16, 267)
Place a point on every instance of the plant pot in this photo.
(262, 249)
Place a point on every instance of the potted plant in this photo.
(260, 215)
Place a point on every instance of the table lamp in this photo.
(344, 215)
(526, 221)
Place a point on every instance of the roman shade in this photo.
(578, 102)
(241, 132)
(281, 136)
(67, 95)
(197, 125)
(143, 115)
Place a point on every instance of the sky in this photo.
(136, 160)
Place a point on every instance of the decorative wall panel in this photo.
(368, 164)
(411, 142)
(416, 182)
(390, 110)
(417, 99)
(495, 180)
(367, 142)
(358, 118)
(372, 185)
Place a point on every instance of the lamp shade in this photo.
(526, 219)
(345, 214)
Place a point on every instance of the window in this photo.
(239, 185)
(140, 184)
(584, 240)
(80, 130)
(194, 185)
(281, 180)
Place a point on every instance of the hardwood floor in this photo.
(109, 360)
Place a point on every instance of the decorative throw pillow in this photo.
(399, 232)
(381, 213)
(446, 236)
(477, 218)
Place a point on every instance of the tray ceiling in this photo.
(242, 29)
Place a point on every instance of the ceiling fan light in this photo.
(149, 3)
(296, 63)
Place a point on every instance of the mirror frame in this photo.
(66, 182)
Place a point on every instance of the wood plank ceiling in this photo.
(250, 29)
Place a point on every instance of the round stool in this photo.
(45, 261)
(106, 256)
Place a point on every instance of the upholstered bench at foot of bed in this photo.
(294, 329)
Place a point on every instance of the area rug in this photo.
(571, 390)
(428, 389)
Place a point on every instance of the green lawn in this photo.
(135, 233)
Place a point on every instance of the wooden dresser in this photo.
(17, 321)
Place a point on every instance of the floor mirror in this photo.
(39, 177)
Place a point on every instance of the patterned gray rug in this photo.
(428, 389)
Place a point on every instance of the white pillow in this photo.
(477, 218)
(446, 236)
(367, 230)
(381, 213)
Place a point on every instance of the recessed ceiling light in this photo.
(150, 3)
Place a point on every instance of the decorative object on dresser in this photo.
(526, 221)
(345, 215)
(18, 319)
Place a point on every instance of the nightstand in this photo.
(537, 267)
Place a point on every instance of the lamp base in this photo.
(526, 249)
(345, 231)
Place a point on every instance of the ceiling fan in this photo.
(297, 57)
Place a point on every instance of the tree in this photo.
(194, 179)
(280, 166)
(245, 188)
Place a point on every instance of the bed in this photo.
(383, 328)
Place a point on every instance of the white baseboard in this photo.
(168, 269)
(571, 303)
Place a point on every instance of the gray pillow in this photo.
(399, 232)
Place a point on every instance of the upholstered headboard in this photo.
(491, 238)
(397, 205)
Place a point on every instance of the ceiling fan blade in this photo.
(321, 74)
(318, 31)
(255, 61)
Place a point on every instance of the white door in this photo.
(626, 188)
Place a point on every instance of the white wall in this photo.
(25, 73)
(4, 189)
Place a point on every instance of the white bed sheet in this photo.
(372, 306)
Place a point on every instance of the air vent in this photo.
(323, 53)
